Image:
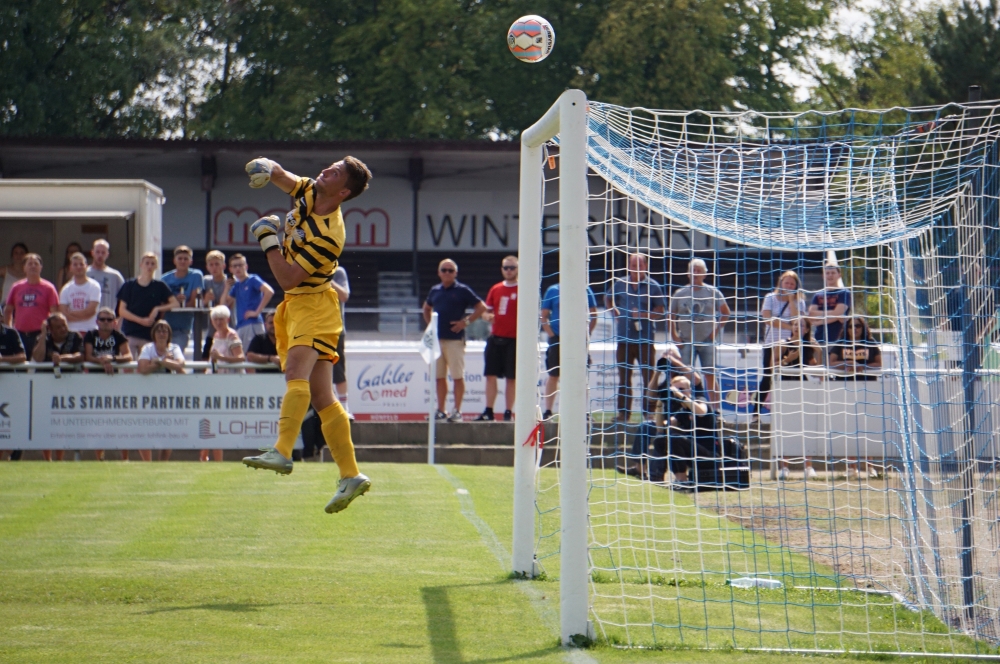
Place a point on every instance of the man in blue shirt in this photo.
(450, 299)
(635, 303)
(550, 324)
(185, 284)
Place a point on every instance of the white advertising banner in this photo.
(130, 411)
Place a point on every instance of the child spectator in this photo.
(185, 283)
(30, 302)
(215, 285)
(141, 301)
(250, 294)
(80, 297)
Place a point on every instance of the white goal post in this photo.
(568, 119)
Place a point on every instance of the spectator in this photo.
(698, 312)
(63, 275)
(550, 324)
(160, 355)
(263, 348)
(796, 352)
(671, 365)
(30, 302)
(106, 346)
(80, 297)
(215, 285)
(635, 303)
(501, 346)
(781, 309)
(227, 347)
(110, 279)
(14, 272)
(186, 284)
(450, 299)
(59, 345)
(250, 295)
(856, 352)
(140, 303)
(343, 288)
(11, 352)
(691, 431)
(829, 308)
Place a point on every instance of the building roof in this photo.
(47, 157)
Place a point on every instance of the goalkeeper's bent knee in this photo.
(293, 410)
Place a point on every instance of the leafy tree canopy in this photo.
(282, 69)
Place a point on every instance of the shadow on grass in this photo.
(445, 647)
(231, 607)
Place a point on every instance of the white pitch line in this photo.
(547, 614)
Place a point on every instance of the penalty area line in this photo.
(547, 614)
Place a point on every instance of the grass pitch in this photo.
(182, 562)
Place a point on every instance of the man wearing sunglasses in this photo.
(450, 299)
(501, 347)
(106, 346)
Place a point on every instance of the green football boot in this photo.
(348, 489)
(271, 459)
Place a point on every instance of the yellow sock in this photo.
(293, 411)
(337, 432)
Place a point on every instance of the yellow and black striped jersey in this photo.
(312, 242)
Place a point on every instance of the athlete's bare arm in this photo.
(283, 179)
(287, 275)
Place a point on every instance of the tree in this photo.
(708, 54)
(88, 67)
(888, 62)
(965, 46)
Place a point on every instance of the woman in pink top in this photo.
(226, 348)
(30, 302)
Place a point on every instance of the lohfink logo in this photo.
(3, 411)
(205, 429)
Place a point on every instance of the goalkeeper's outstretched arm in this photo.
(262, 170)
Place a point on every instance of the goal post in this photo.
(567, 118)
(847, 495)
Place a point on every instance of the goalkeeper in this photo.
(308, 322)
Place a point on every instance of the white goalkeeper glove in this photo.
(259, 171)
(265, 230)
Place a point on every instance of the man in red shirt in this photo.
(501, 347)
(30, 302)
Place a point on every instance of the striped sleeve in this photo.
(301, 186)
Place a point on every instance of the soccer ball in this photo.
(531, 38)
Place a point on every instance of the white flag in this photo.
(430, 349)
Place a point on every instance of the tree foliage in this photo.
(334, 69)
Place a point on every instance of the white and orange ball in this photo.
(531, 38)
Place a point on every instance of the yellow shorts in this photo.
(309, 319)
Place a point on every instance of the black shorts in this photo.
(340, 367)
(552, 357)
(501, 357)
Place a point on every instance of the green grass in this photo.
(182, 562)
